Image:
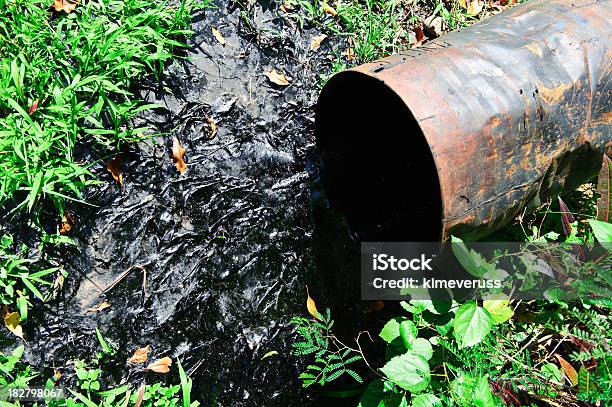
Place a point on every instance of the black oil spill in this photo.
(229, 245)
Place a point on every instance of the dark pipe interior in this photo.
(377, 167)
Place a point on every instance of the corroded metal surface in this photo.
(514, 109)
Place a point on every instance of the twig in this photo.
(123, 275)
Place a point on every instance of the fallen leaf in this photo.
(312, 307)
(277, 77)
(473, 7)
(140, 355)
(114, 167)
(103, 305)
(213, 128)
(570, 372)
(349, 54)
(271, 353)
(11, 321)
(160, 365)
(419, 36)
(65, 5)
(68, 222)
(218, 36)
(316, 41)
(286, 7)
(329, 9)
(34, 107)
(177, 155)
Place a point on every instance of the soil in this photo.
(227, 247)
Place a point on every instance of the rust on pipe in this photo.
(459, 136)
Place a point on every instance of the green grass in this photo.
(68, 80)
(377, 28)
(78, 69)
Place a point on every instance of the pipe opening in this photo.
(378, 170)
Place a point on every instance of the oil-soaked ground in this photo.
(229, 245)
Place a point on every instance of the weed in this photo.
(19, 277)
(66, 79)
(88, 380)
(466, 354)
(331, 357)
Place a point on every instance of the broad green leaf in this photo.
(409, 371)
(472, 323)
(422, 347)
(552, 372)
(482, 394)
(603, 232)
(391, 330)
(426, 400)
(377, 395)
(408, 333)
(471, 261)
(434, 306)
(499, 310)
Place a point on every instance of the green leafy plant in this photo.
(16, 374)
(87, 378)
(331, 357)
(20, 277)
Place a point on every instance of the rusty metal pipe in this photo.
(460, 135)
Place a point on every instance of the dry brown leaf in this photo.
(11, 321)
(213, 128)
(286, 7)
(277, 77)
(68, 222)
(140, 355)
(103, 305)
(349, 54)
(473, 7)
(311, 306)
(65, 5)
(178, 152)
(114, 167)
(160, 365)
(218, 36)
(419, 35)
(570, 372)
(316, 41)
(329, 9)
